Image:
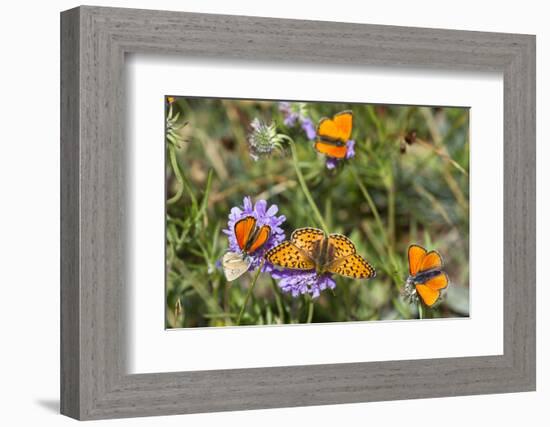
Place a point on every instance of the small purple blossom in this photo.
(297, 282)
(290, 116)
(264, 216)
(350, 153)
(296, 112)
(309, 128)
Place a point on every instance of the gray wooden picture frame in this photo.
(94, 41)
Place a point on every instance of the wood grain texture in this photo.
(70, 291)
(94, 270)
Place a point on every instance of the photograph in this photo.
(293, 212)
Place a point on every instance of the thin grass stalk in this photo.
(249, 293)
(371, 204)
(421, 313)
(278, 302)
(304, 187)
(177, 173)
(310, 309)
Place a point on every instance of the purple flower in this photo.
(309, 128)
(290, 116)
(296, 112)
(264, 216)
(333, 162)
(297, 282)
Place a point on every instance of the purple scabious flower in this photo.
(264, 216)
(296, 112)
(299, 282)
(350, 153)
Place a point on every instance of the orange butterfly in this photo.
(425, 274)
(250, 238)
(333, 134)
(310, 249)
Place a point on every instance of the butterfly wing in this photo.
(428, 295)
(261, 238)
(337, 129)
(331, 149)
(288, 255)
(441, 281)
(431, 261)
(243, 230)
(328, 129)
(234, 265)
(429, 291)
(344, 123)
(345, 261)
(416, 255)
(306, 238)
(421, 260)
(341, 246)
(353, 266)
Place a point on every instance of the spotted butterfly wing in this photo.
(288, 255)
(353, 266)
(307, 238)
(346, 262)
(341, 245)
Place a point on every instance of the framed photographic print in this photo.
(272, 166)
(350, 209)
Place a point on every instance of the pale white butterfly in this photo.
(235, 265)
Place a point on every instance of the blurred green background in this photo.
(420, 193)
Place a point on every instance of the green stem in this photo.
(391, 212)
(177, 172)
(249, 293)
(378, 220)
(180, 177)
(305, 189)
(377, 124)
(370, 202)
(310, 309)
(278, 301)
(420, 310)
